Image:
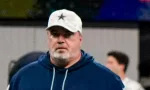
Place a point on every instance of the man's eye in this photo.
(55, 34)
(67, 35)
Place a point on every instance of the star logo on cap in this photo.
(61, 17)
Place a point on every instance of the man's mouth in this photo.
(61, 48)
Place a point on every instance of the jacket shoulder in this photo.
(111, 78)
(26, 70)
(101, 68)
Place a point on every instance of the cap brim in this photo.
(64, 26)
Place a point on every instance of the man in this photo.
(118, 62)
(65, 66)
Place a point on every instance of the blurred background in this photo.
(107, 25)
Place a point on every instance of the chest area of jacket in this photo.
(63, 81)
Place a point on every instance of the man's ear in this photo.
(80, 35)
(81, 39)
(122, 66)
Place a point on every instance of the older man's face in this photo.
(63, 44)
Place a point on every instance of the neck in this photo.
(122, 75)
(73, 61)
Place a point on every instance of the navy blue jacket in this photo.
(84, 75)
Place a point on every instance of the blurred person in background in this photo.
(65, 66)
(22, 61)
(118, 63)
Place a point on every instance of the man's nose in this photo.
(61, 39)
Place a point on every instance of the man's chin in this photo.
(62, 55)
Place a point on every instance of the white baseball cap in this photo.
(66, 19)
